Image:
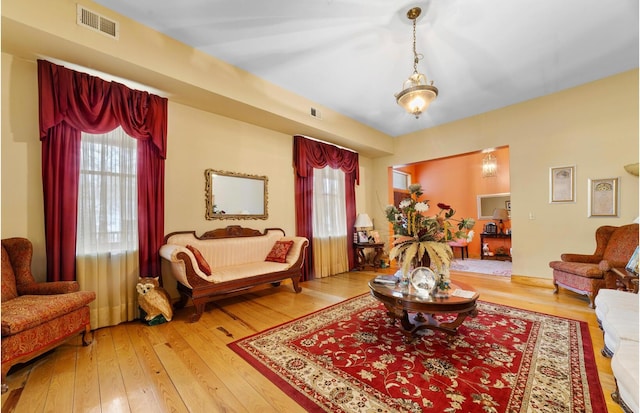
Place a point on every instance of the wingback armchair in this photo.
(36, 317)
(586, 274)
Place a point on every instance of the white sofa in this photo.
(617, 314)
(624, 365)
(236, 260)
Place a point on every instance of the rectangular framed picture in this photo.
(603, 197)
(507, 205)
(362, 237)
(562, 184)
(375, 235)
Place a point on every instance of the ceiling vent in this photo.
(97, 22)
(315, 113)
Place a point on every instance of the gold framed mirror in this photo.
(232, 195)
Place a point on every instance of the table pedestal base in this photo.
(410, 325)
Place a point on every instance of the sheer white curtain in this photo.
(329, 223)
(107, 235)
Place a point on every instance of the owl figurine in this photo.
(153, 299)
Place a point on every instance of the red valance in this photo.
(93, 105)
(309, 154)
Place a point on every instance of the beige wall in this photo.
(594, 127)
(221, 117)
(21, 208)
(197, 140)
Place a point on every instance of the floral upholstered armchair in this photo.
(587, 274)
(36, 317)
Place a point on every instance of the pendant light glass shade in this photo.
(416, 95)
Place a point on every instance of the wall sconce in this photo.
(632, 168)
(489, 165)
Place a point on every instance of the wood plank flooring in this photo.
(187, 367)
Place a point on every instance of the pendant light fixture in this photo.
(416, 94)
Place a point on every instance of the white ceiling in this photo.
(353, 55)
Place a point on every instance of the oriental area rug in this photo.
(491, 267)
(349, 358)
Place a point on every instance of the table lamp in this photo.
(501, 215)
(363, 222)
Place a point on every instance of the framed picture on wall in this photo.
(603, 197)
(562, 184)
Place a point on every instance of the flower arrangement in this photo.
(417, 233)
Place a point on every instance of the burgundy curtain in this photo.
(70, 103)
(307, 155)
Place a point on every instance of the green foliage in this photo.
(418, 234)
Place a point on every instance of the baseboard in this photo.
(532, 281)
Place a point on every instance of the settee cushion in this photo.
(28, 311)
(9, 290)
(279, 251)
(202, 262)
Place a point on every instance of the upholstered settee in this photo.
(229, 260)
(587, 274)
(617, 314)
(36, 317)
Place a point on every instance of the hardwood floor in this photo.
(184, 367)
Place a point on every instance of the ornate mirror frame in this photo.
(245, 195)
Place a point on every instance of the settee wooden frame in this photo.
(203, 291)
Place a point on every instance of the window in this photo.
(329, 242)
(107, 199)
(401, 180)
(329, 211)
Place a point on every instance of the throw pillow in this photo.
(202, 263)
(279, 251)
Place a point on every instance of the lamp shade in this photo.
(363, 221)
(501, 214)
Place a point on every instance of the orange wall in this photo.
(457, 181)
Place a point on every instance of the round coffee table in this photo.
(401, 301)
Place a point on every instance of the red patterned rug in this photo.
(348, 358)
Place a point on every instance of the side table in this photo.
(501, 257)
(361, 259)
(627, 279)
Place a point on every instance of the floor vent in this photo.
(97, 22)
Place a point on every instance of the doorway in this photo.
(458, 181)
